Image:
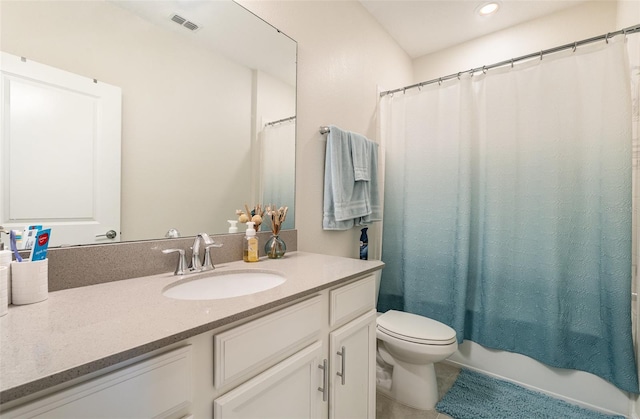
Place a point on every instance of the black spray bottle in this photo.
(364, 244)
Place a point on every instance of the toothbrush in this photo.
(14, 248)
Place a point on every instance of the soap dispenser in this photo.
(250, 246)
(233, 228)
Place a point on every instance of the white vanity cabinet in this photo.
(158, 387)
(284, 349)
(287, 390)
(310, 358)
(329, 368)
(352, 349)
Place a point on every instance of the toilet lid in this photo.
(415, 328)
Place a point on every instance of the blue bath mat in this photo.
(477, 396)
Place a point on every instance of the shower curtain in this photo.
(277, 167)
(508, 209)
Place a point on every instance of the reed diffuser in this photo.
(275, 248)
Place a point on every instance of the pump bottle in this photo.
(233, 228)
(250, 246)
(364, 244)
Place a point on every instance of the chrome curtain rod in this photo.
(279, 121)
(605, 37)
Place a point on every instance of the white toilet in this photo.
(411, 344)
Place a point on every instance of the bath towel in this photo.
(361, 156)
(351, 196)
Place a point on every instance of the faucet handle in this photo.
(181, 269)
(207, 256)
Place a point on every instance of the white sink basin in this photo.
(217, 285)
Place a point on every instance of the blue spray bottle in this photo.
(364, 244)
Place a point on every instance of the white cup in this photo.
(6, 256)
(4, 290)
(29, 281)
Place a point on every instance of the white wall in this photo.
(570, 25)
(343, 55)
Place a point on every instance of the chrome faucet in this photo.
(195, 254)
(196, 265)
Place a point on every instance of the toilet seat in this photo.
(414, 328)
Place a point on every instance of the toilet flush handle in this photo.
(343, 354)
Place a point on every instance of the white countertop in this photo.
(81, 330)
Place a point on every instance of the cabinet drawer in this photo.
(349, 301)
(159, 387)
(246, 350)
(287, 390)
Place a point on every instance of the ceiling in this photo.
(255, 43)
(421, 27)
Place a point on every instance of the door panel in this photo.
(60, 152)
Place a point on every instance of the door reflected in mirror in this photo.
(196, 106)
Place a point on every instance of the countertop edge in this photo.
(38, 385)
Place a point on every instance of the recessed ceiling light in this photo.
(488, 9)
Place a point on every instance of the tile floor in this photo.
(388, 409)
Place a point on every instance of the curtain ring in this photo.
(512, 63)
(606, 38)
(404, 90)
(484, 69)
(575, 46)
(540, 55)
(420, 87)
(471, 72)
(440, 81)
(391, 95)
(458, 75)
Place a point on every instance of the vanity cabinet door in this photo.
(352, 353)
(287, 390)
(159, 387)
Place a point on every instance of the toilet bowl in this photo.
(411, 344)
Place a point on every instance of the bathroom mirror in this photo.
(202, 84)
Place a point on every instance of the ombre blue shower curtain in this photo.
(508, 209)
(277, 167)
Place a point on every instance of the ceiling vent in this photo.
(184, 22)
